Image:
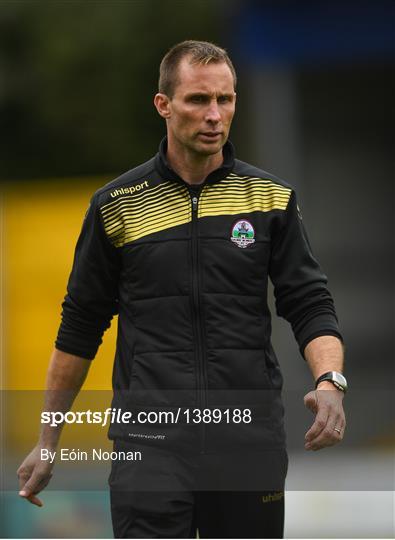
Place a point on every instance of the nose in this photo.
(212, 114)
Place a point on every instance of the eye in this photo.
(224, 99)
(198, 99)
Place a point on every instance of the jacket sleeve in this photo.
(300, 286)
(92, 290)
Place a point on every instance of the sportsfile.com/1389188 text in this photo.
(179, 415)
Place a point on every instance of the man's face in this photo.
(201, 110)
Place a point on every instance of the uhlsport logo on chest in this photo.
(243, 234)
(129, 190)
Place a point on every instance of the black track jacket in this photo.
(187, 271)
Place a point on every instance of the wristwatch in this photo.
(336, 378)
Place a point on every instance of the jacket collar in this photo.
(168, 173)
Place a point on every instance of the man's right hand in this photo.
(34, 475)
(66, 374)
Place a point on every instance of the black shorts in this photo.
(168, 495)
(215, 514)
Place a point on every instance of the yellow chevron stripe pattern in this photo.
(242, 194)
(131, 217)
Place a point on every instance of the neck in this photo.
(192, 167)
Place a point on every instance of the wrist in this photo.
(327, 385)
(333, 378)
(49, 441)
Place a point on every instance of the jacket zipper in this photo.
(202, 376)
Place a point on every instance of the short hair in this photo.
(199, 52)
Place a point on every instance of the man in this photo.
(181, 248)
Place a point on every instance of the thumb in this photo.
(310, 401)
(29, 491)
(29, 488)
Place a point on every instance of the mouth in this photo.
(210, 135)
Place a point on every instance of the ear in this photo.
(162, 104)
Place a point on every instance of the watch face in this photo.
(336, 378)
(339, 380)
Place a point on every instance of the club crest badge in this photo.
(243, 234)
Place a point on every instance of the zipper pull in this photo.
(195, 201)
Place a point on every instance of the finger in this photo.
(31, 498)
(310, 401)
(318, 425)
(43, 484)
(35, 484)
(36, 501)
(22, 479)
(29, 494)
(328, 436)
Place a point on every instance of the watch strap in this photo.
(333, 377)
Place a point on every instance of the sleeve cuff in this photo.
(88, 354)
(318, 333)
